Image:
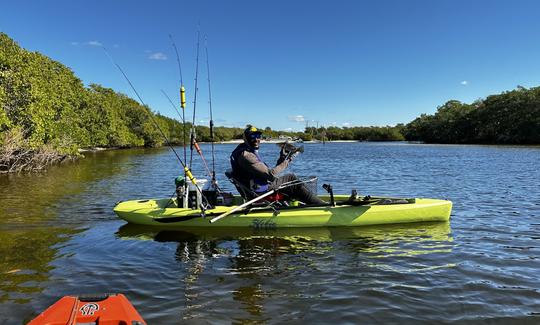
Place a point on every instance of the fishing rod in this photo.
(199, 151)
(193, 136)
(182, 97)
(187, 170)
(183, 106)
(195, 144)
(214, 182)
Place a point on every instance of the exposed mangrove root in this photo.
(16, 155)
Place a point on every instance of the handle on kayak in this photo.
(95, 297)
(330, 191)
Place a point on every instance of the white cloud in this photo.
(464, 82)
(157, 56)
(94, 43)
(346, 124)
(297, 118)
(75, 43)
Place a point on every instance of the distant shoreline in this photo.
(235, 141)
(281, 141)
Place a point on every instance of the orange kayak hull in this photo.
(109, 309)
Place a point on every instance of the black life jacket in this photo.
(244, 176)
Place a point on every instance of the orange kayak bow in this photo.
(107, 309)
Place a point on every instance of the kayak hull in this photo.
(102, 309)
(162, 212)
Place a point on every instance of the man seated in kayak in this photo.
(249, 169)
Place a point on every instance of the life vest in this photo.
(244, 176)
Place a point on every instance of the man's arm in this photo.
(248, 161)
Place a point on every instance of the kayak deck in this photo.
(100, 309)
(163, 212)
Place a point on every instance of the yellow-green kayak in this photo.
(375, 211)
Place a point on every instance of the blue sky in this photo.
(282, 63)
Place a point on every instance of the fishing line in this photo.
(172, 104)
(142, 102)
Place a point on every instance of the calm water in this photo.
(59, 236)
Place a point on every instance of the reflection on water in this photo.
(26, 258)
(244, 259)
(32, 199)
(377, 241)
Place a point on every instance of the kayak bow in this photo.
(98, 309)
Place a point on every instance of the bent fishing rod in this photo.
(214, 182)
(182, 96)
(193, 135)
(187, 171)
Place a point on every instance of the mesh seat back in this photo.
(244, 191)
(247, 193)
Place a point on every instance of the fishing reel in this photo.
(289, 151)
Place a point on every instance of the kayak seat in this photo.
(248, 194)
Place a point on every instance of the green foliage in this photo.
(225, 134)
(357, 133)
(511, 118)
(53, 108)
(39, 95)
